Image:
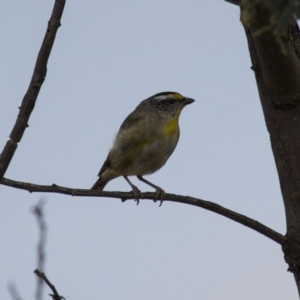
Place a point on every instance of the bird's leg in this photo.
(137, 193)
(159, 191)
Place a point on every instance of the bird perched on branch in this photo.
(145, 141)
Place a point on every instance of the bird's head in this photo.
(169, 102)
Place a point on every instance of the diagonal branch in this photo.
(235, 2)
(36, 82)
(55, 294)
(12, 288)
(246, 221)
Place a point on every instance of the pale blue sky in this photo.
(109, 56)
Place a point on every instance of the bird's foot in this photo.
(137, 194)
(160, 195)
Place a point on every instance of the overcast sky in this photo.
(108, 56)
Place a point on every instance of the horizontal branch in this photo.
(251, 223)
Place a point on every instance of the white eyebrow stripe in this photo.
(162, 97)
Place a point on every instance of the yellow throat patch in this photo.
(172, 127)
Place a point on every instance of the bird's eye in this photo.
(171, 101)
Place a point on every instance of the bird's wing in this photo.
(105, 166)
(131, 121)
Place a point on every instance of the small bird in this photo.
(145, 141)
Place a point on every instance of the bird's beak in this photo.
(187, 101)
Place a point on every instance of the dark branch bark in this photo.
(55, 295)
(36, 82)
(276, 64)
(253, 224)
(235, 2)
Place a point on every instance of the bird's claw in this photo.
(160, 192)
(137, 194)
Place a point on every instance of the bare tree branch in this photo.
(42, 276)
(251, 223)
(235, 2)
(38, 210)
(12, 288)
(36, 82)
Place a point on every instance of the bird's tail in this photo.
(99, 184)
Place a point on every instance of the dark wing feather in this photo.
(104, 167)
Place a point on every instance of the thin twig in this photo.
(251, 223)
(55, 295)
(38, 210)
(36, 82)
(12, 288)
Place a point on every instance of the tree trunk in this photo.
(276, 64)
